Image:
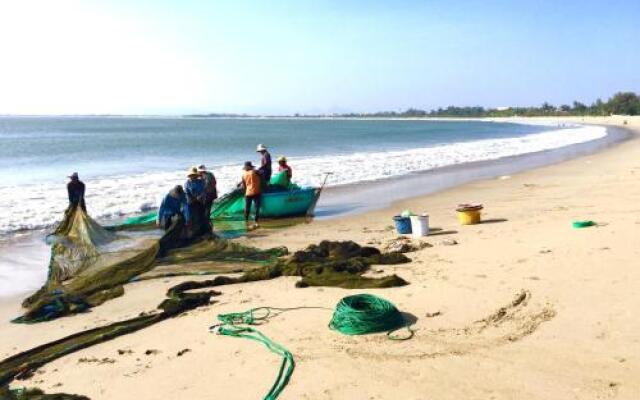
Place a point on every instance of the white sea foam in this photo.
(40, 206)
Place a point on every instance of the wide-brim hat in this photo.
(202, 168)
(193, 171)
(248, 165)
(282, 159)
(73, 175)
(261, 147)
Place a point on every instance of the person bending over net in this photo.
(252, 185)
(194, 189)
(173, 216)
(75, 190)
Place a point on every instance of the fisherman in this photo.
(173, 216)
(265, 163)
(252, 185)
(174, 206)
(210, 188)
(283, 166)
(194, 190)
(75, 190)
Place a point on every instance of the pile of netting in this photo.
(90, 264)
(329, 263)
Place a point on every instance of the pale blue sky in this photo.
(171, 57)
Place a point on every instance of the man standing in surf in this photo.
(75, 190)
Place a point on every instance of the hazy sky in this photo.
(153, 57)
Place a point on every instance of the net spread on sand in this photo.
(90, 264)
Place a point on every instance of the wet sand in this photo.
(522, 306)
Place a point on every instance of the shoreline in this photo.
(375, 195)
(574, 336)
(631, 135)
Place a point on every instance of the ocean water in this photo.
(129, 163)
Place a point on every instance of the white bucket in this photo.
(419, 225)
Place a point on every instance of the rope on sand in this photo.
(239, 324)
(354, 315)
(365, 313)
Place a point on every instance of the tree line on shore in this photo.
(622, 103)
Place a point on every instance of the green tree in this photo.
(598, 108)
(624, 103)
(547, 108)
(579, 108)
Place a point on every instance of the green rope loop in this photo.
(248, 317)
(239, 325)
(365, 313)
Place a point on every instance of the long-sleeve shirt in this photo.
(210, 184)
(194, 189)
(172, 205)
(75, 190)
(265, 166)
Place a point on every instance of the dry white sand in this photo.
(574, 336)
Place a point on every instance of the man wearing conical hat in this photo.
(210, 188)
(194, 189)
(265, 163)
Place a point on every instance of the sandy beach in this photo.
(522, 306)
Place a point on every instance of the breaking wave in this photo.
(40, 205)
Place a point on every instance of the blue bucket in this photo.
(403, 224)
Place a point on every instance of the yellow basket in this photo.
(469, 217)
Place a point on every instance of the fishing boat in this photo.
(292, 202)
(277, 202)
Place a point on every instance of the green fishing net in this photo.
(36, 394)
(89, 264)
(329, 263)
(23, 364)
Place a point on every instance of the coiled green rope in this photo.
(365, 313)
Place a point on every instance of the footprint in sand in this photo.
(508, 324)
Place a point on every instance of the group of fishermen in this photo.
(189, 206)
